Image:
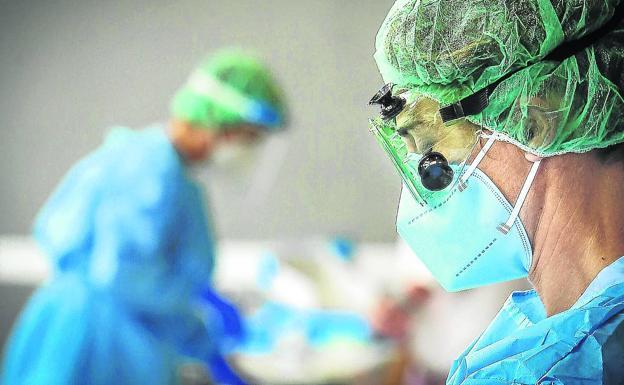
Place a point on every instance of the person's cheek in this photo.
(203, 147)
(199, 146)
(506, 165)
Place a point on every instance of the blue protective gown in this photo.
(583, 345)
(131, 249)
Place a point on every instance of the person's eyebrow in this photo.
(411, 125)
(402, 131)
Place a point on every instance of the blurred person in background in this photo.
(505, 121)
(132, 247)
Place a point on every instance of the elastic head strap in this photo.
(251, 110)
(505, 227)
(475, 162)
(470, 105)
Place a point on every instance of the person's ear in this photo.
(531, 157)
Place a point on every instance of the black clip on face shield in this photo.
(391, 106)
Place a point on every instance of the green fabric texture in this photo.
(241, 72)
(447, 50)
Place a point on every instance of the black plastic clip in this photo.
(470, 105)
(391, 106)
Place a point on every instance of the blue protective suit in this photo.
(583, 345)
(131, 249)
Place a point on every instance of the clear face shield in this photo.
(430, 155)
(434, 154)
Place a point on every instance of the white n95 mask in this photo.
(473, 236)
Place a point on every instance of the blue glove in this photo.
(222, 373)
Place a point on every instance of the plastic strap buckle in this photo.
(470, 105)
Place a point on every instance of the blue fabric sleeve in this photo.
(129, 222)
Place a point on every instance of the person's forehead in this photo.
(418, 109)
(245, 130)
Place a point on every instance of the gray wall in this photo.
(70, 69)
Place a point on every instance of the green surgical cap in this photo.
(449, 49)
(228, 88)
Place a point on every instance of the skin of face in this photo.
(573, 214)
(197, 143)
(421, 129)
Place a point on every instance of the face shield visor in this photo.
(430, 155)
(434, 151)
(451, 214)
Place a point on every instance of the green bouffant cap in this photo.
(228, 88)
(449, 49)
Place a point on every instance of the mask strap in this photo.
(473, 166)
(505, 227)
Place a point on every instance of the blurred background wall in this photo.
(71, 69)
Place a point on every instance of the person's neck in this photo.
(579, 230)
